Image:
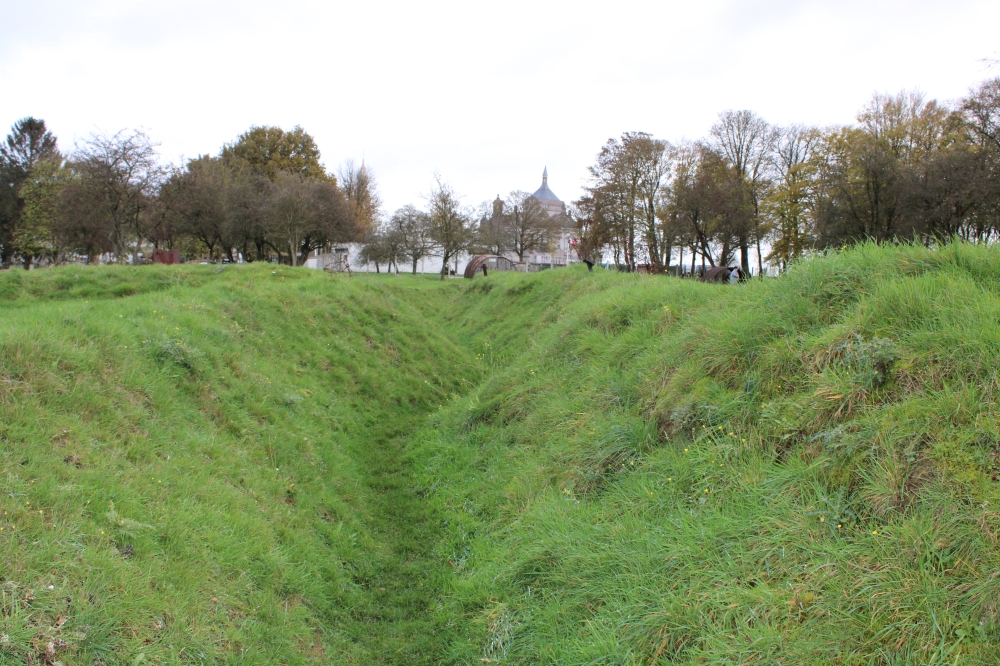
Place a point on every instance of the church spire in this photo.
(545, 176)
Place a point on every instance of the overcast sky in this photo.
(486, 94)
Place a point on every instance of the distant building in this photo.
(562, 253)
(335, 258)
(548, 199)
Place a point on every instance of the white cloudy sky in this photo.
(484, 93)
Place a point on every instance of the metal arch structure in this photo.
(716, 274)
(488, 262)
(721, 274)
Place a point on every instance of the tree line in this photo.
(752, 193)
(512, 226)
(264, 196)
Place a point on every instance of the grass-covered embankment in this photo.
(278, 466)
(199, 472)
(795, 471)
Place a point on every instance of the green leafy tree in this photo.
(28, 144)
(36, 233)
(272, 150)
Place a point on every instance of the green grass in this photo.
(188, 474)
(796, 471)
(261, 465)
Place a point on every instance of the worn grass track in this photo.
(398, 621)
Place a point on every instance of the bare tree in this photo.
(81, 223)
(982, 108)
(625, 195)
(120, 174)
(688, 207)
(450, 228)
(746, 141)
(526, 226)
(413, 228)
(652, 161)
(789, 204)
(614, 190)
(361, 190)
(306, 213)
(706, 204)
(378, 249)
(194, 199)
(591, 237)
(491, 232)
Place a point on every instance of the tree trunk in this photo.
(444, 265)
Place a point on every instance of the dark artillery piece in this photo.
(488, 262)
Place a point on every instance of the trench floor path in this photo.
(398, 624)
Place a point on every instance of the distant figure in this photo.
(735, 275)
(590, 265)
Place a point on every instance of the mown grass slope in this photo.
(798, 471)
(198, 473)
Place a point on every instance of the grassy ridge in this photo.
(21, 288)
(188, 473)
(798, 470)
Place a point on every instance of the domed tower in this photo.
(547, 198)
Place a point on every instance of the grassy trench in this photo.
(260, 466)
(797, 471)
(201, 466)
(397, 623)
